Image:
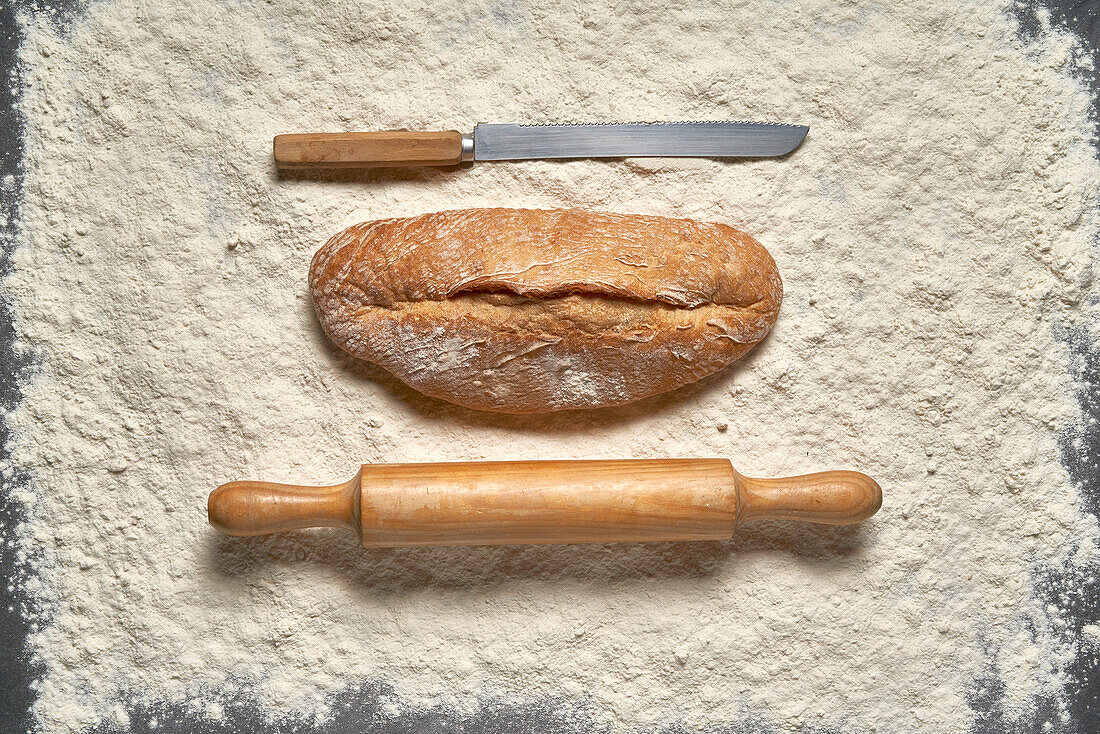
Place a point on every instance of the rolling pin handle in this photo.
(259, 508)
(828, 497)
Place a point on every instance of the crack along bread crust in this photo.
(527, 311)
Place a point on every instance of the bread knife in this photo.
(512, 142)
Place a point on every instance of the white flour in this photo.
(933, 234)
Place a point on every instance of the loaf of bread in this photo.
(526, 311)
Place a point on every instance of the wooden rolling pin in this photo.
(502, 502)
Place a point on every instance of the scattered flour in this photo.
(933, 233)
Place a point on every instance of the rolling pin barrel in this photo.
(495, 503)
(490, 503)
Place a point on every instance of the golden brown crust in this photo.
(527, 311)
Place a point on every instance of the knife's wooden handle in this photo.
(489, 503)
(389, 149)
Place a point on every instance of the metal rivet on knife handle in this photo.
(514, 502)
(511, 142)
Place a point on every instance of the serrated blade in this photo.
(511, 142)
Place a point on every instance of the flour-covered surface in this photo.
(935, 234)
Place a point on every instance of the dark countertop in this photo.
(359, 709)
